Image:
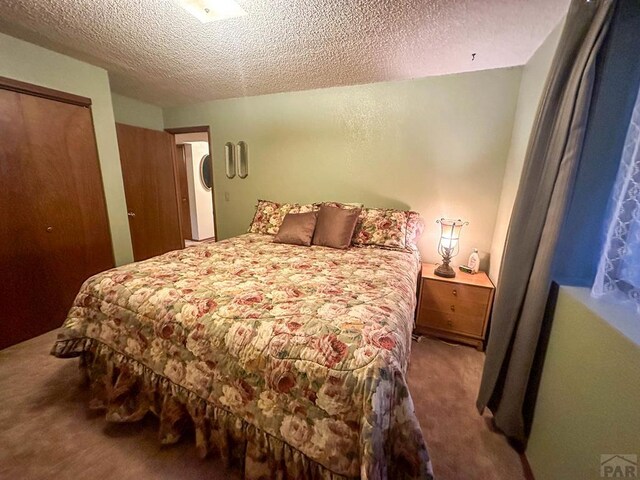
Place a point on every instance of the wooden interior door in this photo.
(54, 231)
(151, 190)
(183, 192)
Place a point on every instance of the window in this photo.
(618, 273)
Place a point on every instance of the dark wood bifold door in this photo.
(54, 231)
(147, 158)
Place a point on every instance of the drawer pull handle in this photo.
(455, 292)
(453, 308)
(449, 323)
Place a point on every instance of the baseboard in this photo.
(208, 239)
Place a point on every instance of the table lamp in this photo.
(448, 246)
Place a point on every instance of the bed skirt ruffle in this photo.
(127, 390)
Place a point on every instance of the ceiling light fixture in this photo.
(211, 10)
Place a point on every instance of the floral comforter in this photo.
(294, 356)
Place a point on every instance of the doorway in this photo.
(165, 213)
(194, 184)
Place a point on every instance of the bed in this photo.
(288, 361)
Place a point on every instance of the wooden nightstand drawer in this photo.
(470, 324)
(465, 299)
(455, 308)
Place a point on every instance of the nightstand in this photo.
(454, 308)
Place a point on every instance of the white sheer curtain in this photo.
(619, 269)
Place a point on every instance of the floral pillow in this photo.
(347, 206)
(270, 215)
(382, 227)
(264, 211)
(310, 207)
(415, 227)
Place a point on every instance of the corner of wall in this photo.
(534, 75)
(137, 113)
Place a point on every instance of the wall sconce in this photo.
(230, 160)
(448, 246)
(236, 159)
(242, 159)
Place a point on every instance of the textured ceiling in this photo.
(157, 52)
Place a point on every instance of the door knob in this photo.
(131, 214)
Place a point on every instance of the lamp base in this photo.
(445, 270)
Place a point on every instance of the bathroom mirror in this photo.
(242, 159)
(206, 172)
(230, 160)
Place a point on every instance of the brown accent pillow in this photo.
(335, 226)
(297, 228)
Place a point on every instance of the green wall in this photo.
(534, 76)
(437, 145)
(589, 397)
(134, 112)
(29, 63)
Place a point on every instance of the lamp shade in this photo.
(449, 235)
(449, 244)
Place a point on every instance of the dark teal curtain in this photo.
(549, 170)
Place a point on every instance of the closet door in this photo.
(54, 232)
(148, 172)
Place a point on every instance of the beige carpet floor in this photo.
(47, 431)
